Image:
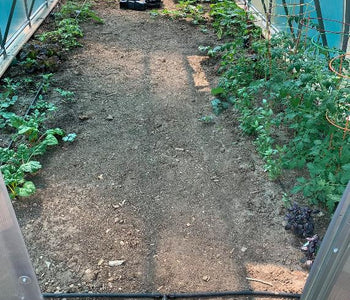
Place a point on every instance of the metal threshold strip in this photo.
(246, 293)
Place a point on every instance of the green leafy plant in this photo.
(207, 119)
(67, 95)
(79, 11)
(288, 100)
(67, 33)
(188, 9)
(69, 137)
(29, 139)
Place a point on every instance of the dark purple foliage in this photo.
(310, 248)
(300, 221)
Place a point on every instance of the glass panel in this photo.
(19, 17)
(5, 7)
(37, 4)
(332, 13)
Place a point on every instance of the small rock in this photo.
(100, 177)
(115, 206)
(83, 117)
(109, 118)
(206, 278)
(48, 264)
(179, 149)
(90, 275)
(222, 150)
(100, 262)
(122, 243)
(114, 263)
(244, 249)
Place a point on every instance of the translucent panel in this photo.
(19, 17)
(37, 4)
(332, 14)
(17, 278)
(5, 7)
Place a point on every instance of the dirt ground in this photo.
(173, 204)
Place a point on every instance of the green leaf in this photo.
(69, 137)
(346, 167)
(50, 140)
(30, 167)
(27, 189)
(296, 189)
(217, 91)
(55, 131)
(25, 129)
(215, 103)
(332, 178)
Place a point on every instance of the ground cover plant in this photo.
(28, 137)
(25, 128)
(288, 100)
(187, 9)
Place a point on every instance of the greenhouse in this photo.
(176, 149)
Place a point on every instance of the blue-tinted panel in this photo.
(18, 19)
(37, 4)
(19, 16)
(5, 6)
(332, 13)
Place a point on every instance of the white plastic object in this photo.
(17, 278)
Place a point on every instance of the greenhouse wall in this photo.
(332, 16)
(18, 21)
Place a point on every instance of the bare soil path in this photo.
(186, 206)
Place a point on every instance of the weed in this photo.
(66, 95)
(81, 12)
(67, 33)
(207, 119)
(188, 9)
(69, 137)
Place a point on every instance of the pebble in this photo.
(244, 249)
(83, 117)
(114, 263)
(89, 275)
(109, 118)
(206, 278)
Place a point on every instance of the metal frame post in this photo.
(332, 264)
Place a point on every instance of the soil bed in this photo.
(184, 206)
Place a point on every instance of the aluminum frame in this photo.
(332, 264)
(10, 44)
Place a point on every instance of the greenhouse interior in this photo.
(175, 149)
